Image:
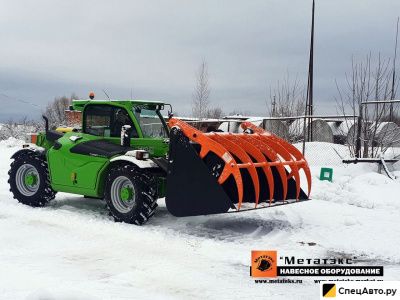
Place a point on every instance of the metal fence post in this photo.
(359, 128)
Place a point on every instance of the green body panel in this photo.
(156, 147)
(75, 173)
(85, 174)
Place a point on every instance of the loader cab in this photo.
(107, 121)
(149, 130)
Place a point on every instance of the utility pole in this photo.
(309, 110)
(394, 73)
(274, 106)
(311, 78)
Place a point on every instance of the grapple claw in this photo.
(215, 172)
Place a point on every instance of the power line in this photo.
(22, 101)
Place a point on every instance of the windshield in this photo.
(150, 122)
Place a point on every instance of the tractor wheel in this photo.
(131, 194)
(29, 180)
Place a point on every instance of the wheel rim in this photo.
(27, 180)
(123, 194)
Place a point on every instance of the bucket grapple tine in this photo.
(274, 161)
(304, 165)
(296, 160)
(288, 160)
(246, 162)
(297, 155)
(256, 154)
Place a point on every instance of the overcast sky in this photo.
(52, 48)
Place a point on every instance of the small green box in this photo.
(326, 174)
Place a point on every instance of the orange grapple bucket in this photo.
(218, 172)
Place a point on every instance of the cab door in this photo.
(153, 131)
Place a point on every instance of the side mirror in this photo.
(170, 113)
(125, 136)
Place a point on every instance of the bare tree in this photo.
(19, 129)
(369, 80)
(287, 98)
(201, 94)
(55, 110)
(214, 113)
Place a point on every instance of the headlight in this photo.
(139, 154)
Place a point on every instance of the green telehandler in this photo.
(126, 153)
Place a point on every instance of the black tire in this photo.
(142, 202)
(33, 195)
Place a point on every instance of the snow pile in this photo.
(72, 249)
(18, 131)
(396, 167)
(11, 142)
(361, 186)
(355, 184)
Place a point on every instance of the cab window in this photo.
(107, 121)
(150, 122)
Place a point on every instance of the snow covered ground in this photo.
(72, 249)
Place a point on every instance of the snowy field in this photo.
(72, 249)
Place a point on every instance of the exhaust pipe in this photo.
(46, 123)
